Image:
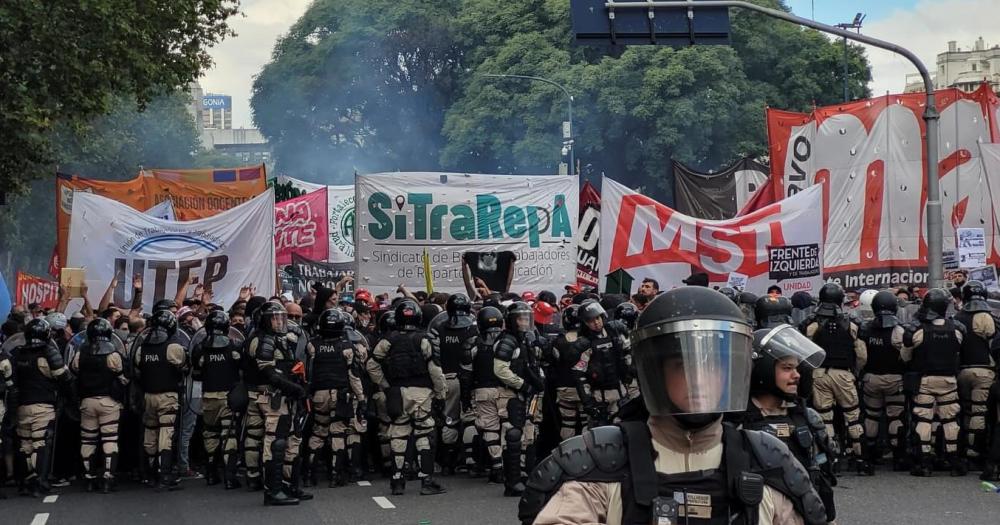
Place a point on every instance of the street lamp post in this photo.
(855, 24)
(568, 141)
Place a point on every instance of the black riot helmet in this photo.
(408, 315)
(520, 318)
(936, 300)
(273, 319)
(348, 320)
(730, 293)
(571, 318)
(746, 301)
(330, 323)
(489, 319)
(387, 322)
(164, 304)
(162, 327)
(831, 299)
(974, 297)
(217, 323)
(458, 305)
(99, 329)
(590, 309)
(627, 313)
(37, 333)
(884, 307)
(770, 311)
(692, 351)
(778, 345)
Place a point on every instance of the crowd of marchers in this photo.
(591, 407)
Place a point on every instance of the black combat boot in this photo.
(168, 480)
(397, 484)
(212, 470)
(275, 493)
(309, 466)
(958, 466)
(428, 487)
(338, 469)
(513, 486)
(449, 457)
(91, 474)
(43, 465)
(108, 483)
(357, 461)
(923, 467)
(990, 472)
(292, 485)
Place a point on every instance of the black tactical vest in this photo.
(602, 370)
(975, 350)
(158, 376)
(219, 371)
(405, 364)
(482, 367)
(834, 336)
(95, 378)
(563, 375)
(938, 353)
(33, 387)
(883, 358)
(329, 367)
(792, 428)
(452, 344)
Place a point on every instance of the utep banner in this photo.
(588, 236)
(194, 194)
(868, 158)
(33, 289)
(718, 195)
(340, 214)
(779, 244)
(226, 251)
(306, 272)
(300, 227)
(489, 219)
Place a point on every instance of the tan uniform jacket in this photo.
(591, 503)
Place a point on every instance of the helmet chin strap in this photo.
(694, 422)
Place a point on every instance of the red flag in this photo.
(32, 289)
(301, 226)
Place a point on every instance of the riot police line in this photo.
(489, 388)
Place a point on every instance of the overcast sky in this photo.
(923, 26)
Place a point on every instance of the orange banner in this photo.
(196, 194)
(34, 289)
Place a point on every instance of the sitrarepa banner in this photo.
(226, 251)
(778, 244)
(513, 232)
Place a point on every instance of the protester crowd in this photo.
(277, 394)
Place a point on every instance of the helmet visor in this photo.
(785, 341)
(277, 322)
(522, 321)
(695, 368)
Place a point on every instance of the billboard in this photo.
(217, 102)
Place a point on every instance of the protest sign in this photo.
(305, 272)
(226, 251)
(300, 227)
(34, 289)
(971, 248)
(588, 236)
(459, 218)
(340, 215)
(780, 243)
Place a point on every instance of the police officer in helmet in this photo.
(452, 334)
(776, 407)
(977, 369)
(692, 348)
(486, 388)
(404, 365)
(99, 367)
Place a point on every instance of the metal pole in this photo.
(569, 108)
(847, 97)
(934, 233)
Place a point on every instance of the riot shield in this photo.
(11, 343)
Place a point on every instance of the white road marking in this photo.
(50, 499)
(382, 501)
(364, 483)
(40, 518)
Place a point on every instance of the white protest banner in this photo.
(340, 214)
(986, 275)
(777, 244)
(500, 225)
(971, 247)
(226, 251)
(164, 210)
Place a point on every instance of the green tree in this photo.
(65, 62)
(359, 84)
(111, 147)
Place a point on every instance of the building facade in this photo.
(965, 69)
